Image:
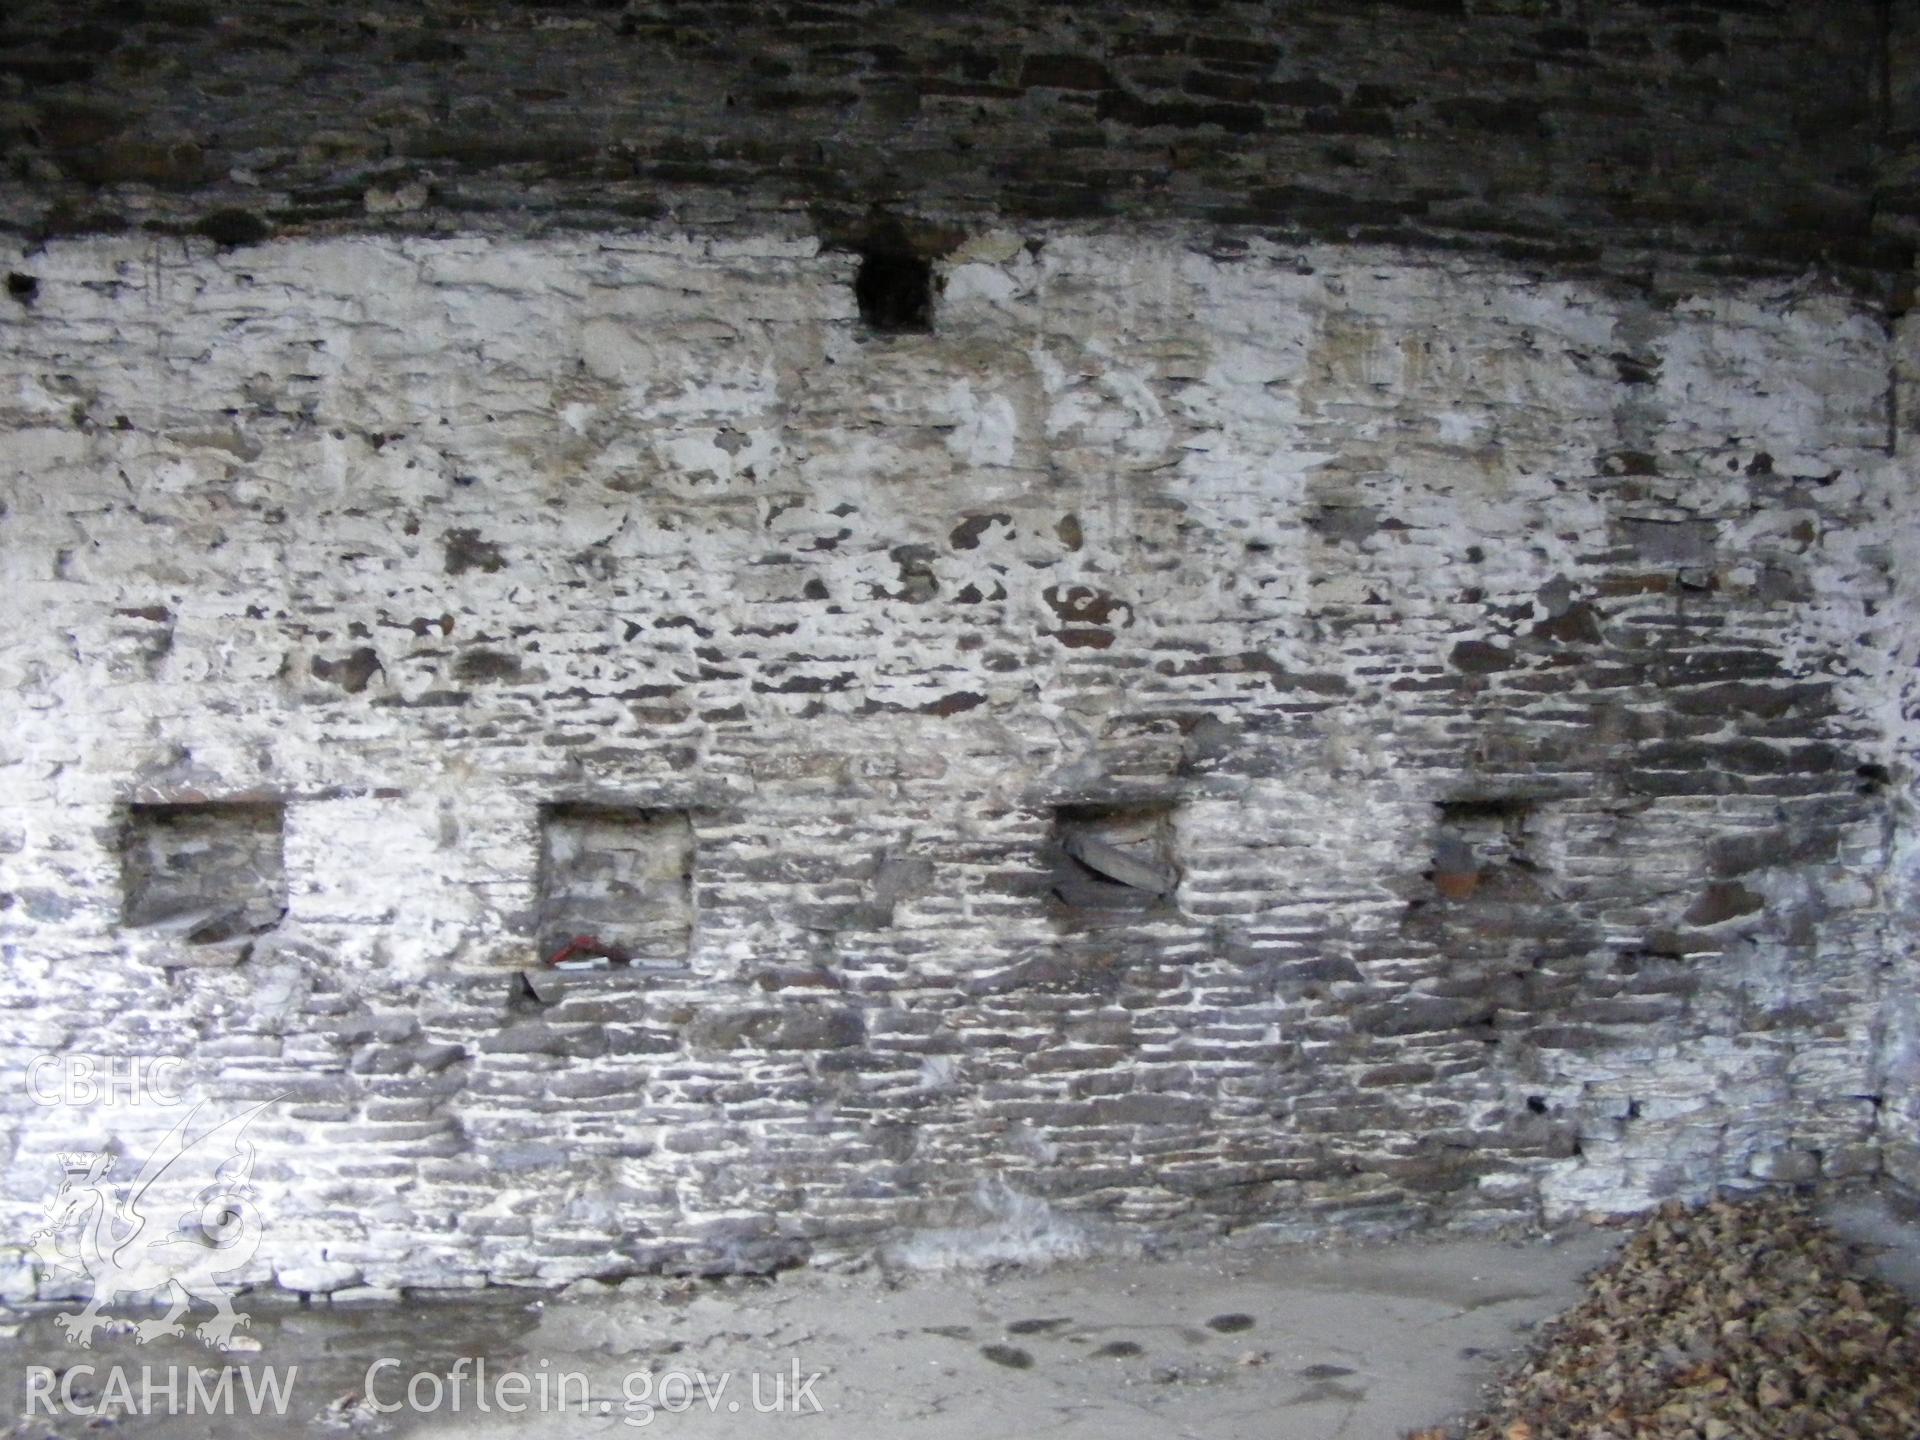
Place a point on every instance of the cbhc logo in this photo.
(123, 1079)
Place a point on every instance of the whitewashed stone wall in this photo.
(1504, 659)
(1892, 631)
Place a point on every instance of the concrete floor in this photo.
(1280, 1344)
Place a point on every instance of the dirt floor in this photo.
(1277, 1344)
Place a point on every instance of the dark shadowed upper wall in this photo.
(1750, 135)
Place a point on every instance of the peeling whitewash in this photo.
(1515, 672)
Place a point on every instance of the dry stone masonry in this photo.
(1045, 694)
(1753, 134)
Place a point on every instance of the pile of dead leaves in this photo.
(1740, 1321)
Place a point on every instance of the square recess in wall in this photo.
(204, 873)
(1489, 847)
(615, 882)
(1110, 863)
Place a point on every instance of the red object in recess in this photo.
(579, 945)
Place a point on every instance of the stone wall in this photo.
(1211, 734)
(1892, 634)
(1609, 134)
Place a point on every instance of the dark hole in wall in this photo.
(1503, 808)
(204, 872)
(615, 884)
(23, 288)
(894, 288)
(1111, 862)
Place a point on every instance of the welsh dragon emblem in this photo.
(113, 1240)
